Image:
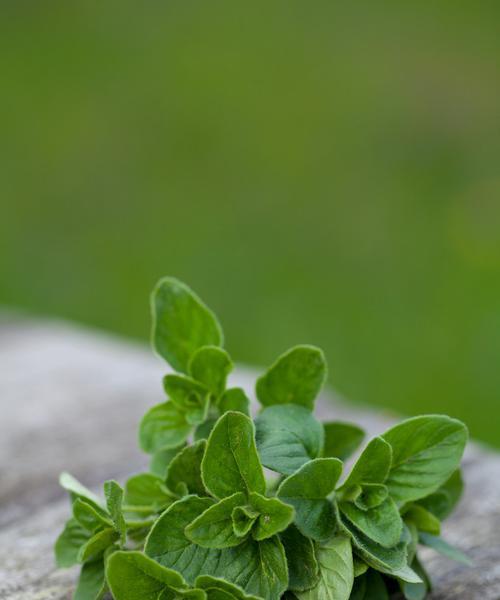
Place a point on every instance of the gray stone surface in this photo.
(71, 399)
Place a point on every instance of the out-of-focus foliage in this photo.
(340, 162)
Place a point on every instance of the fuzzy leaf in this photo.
(287, 437)
(442, 502)
(422, 519)
(336, 574)
(303, 570)
(243, 518)
(91, 584)
(381, 524)
(307, 490)
(214, 527)
(203, 430)
(439, 545)
(231, 463)
(182, 323)
(97, 544)
(371, 495)
(274, 516)
(210, 366)
(163, 426)
(184, 471)
(69, 542)
(426, 451)
(89, 517)
(114, 500)
(235, 399)
(133, 576)
(146, 489)
(341, 439)
(189, 396)
(295, 378)
(161, 459)
(373, 465)
(220, 589)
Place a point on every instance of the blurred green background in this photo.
(318, 172)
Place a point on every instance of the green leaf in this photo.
(211, 365)
(381, 524)
(77, 490)
(415, 591)
(97, 544)
(287, 437)
(370, 586)
(182, 323)
(258, 567)
(184, 471)
(274, 516)
(295, 378)
(204, 429)
(134, 576)
(214, 527)
(220, 589)
(336, 574)
(439, 545)
(163, 426)
(341, 439)
(360, 566)
(307, 490)
(89, 517)
(442, 502)
(243, 518)
(372, 466)
(184, 594)
(426, 451)
(235, 399)
(189, 396)
(371, 495)
(303, 570)
(422, 519)
(91, 584)
(114, 501)
(69, 542)
(231, 463)
(161, 459)
(147, 490)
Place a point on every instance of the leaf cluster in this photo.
(235, 508)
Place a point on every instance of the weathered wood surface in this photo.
(71, 399)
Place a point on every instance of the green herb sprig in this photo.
(208, 523)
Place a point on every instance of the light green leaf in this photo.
(416, 591)
(182, 323)
(426, 451)
(295, 378)
(360, 566)
(243, 518)
(422, 519)
(231, 463)
(161, 459)
(114, 501)
(307, 490)
(235, 399)
(341, 439)
(442, 502)
(91, 584)
(214, 585)
(97, 544)
(287, 437)
(214, 527)
(258, 567)
(189, 396)
(372, 466)
(274, 516)
(184, 471)
(77, 490)
(147, 490)
(439, 545)
(303, 570)
(163, 426)
(89, 517)
(381, 524)
(211, 365)
(134, 576)
(371, 495)
(69, 542)
(336, 574)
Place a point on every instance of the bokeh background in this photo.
(325, 173)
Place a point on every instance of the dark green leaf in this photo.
(91, 584)
(213, 586)
(184, 471)
(204, 429)
(189, 396)
(422, 519)
(163, 426)
(295, 378)
(439, 545)
(303, 570)
(134, 576)
(287, 437)
(243, 518)
(182, 323)
(307, 490)
(370, 586)
(426, 451)
(146, 490)
(371, 495)
(231, 463)
(235, 399)
(114, 501)
(372, 466)
(415, 591)
(161, 459)
(211, 365)
(89, 517)
(274, 516)
(214, 527)
(336, 574)
(381, 524)
(68, 544)
(341, 439)
(445, 498)
(97, 544)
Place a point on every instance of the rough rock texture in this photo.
(71, 399)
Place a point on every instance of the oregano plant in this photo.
(235, 508)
